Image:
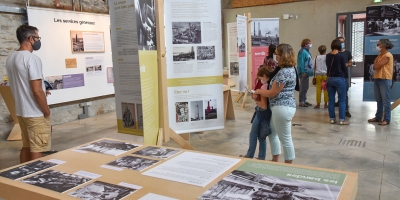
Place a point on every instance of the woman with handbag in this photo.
(336, 82)
(320, 76)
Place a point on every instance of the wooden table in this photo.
(91, 162)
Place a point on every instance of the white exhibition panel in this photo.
(56, 47)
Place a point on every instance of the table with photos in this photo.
(115, 169)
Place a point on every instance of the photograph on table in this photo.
(102, 190)
(157, 152)
(196, 111)
(234, 68)
(183, 53)
(210, 109)
(186, 32)
(264, 32)
(247, 185)
(205, 52)
(128, 115)
(56, 82)
(56, 181)
(182, 111)
(140, 116)
(146, 24)
(133, 163)
(383, 20)
(109, 147)
(369, 71)
(27, 169)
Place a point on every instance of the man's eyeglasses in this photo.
(38, 38)
(378, 45)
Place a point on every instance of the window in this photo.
(358, 41)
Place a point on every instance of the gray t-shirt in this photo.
(22, 67)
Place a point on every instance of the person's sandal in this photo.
(373, 120)
(344, 123)
(325, 106)
(317, 106)
(384, 123)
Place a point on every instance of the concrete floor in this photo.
(317, 143)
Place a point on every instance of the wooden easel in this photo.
(6, 93)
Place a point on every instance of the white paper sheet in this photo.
(87, 174)
(193, 168)
(59, 162)
(152, 196)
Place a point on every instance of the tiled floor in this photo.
(317, 143)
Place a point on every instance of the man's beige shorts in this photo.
(35, 132)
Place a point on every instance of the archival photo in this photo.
(146, 24)
(27, 169)
(183, 53)
(381, 20)
(186, 32)
(140, 116)
(369, 71)
(128, 115)
(249, 186)
(205, 52)
(99, 190)
(56, 82)
(196, 111)
(234, 68)
(133, 163)
(211, 109)
(56, 181)
(242, 45)
(109, 147)
(157, 152)
(264, 32)
(182, 111)
(77, 41)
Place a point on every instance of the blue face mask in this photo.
(342, 45)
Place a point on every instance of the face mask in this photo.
(378, 49)
(36, 45)
(310, 46)
(342, 45)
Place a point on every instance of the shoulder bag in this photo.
(314, 80)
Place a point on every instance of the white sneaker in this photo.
(333, 121)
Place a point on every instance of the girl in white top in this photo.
(320, 75)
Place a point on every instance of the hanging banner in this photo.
(233, 54)
(264, 32)
(242, 47)
(383, 21)
(194, 65)
(133, 39)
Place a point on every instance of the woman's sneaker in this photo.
(333, 121)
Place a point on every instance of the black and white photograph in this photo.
(183, 53)
(211, 109)
(234, 68)
(383, 20)
(250, 186)
(56, 181)
(146, 24)
(205, 52)
(182, 111)
(196, 111)
(242, 45)
(186, 32)
(77, 41)
(369, 71)
(157, 152)
(264, 32)
(97, 68)
(56, 82)
(27, 169)
(133, 163)
(140, 116)
(128, 115)
(99, 190)
(109, 147)
(90, 69)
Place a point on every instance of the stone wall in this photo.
(60, 113)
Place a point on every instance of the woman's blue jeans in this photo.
(337, 84)
(259, 130)
(382, 97)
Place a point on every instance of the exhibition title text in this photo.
(71, 21)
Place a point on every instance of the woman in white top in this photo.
(320, 75)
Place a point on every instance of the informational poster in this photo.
(193, 168)
(383, 21)
(233, 54)
(66, 81)
(194, 65)
(264, 32)
(94, 66)
(267, 181)
(134, 45)
(242, 49)
(87, 42)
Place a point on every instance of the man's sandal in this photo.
(374, 120)
(384, 123)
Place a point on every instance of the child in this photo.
(320, 75)
(260, 128)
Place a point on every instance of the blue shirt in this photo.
(287, 76)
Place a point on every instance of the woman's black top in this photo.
(338, 66)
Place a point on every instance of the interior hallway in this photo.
(317, 143)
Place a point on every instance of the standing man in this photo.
(24, 70)
(305, 68)
(349, 63)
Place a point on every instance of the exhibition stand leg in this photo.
(6, 93)
(239, 97)
(395, 104)
(229, 113)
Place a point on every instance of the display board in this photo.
(233, 54)
(194, 65)
(383, 21)
(133, 35)
(242, 49)
(65, 70)
(264, 32)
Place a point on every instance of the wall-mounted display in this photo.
(87, 42)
